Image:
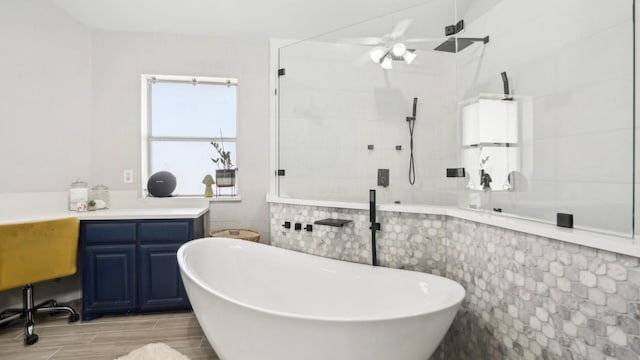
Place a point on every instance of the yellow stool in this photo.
(33, 252)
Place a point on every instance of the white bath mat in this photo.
(154, 351)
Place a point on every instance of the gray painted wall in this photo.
(118, 60)
(45, 102)
(71, 108)
(71, 103)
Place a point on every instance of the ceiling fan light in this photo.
(386, 63)
(409, 56)
(398, 49)
(376, 54)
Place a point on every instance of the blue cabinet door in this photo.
(109, 279)
(160, 284)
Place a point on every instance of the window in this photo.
(181, 117)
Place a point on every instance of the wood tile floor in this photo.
(105, 338)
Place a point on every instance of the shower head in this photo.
(453, 45)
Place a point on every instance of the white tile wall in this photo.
(574, 59)
(569, 63)
(604, 157)
(579, 65)
(332, 107)
(544, 155)
(574, 114)
(609, 205)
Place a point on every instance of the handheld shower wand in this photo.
(412, 122)
(415, 105)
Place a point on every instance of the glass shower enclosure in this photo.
(516, 108)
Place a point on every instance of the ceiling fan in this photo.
(391, 46)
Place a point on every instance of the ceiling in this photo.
(292, 19)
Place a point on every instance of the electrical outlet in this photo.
(127, 176)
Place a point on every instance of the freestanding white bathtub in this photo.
(258, 302)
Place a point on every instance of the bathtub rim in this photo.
(186, 271)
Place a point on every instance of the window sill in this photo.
(224, 199)
(236, 198)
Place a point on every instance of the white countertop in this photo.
(144, 213)
(15, 208)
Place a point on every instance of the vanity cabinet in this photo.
(130, 266)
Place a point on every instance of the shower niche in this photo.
(560, 140)
(490, 143)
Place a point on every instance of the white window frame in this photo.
(145, 135)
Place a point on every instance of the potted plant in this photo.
(225, 174)
(485, 178)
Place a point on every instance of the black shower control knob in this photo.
(287, 225)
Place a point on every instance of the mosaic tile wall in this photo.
(410, 241)
(528, 297)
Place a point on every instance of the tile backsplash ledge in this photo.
(617, 244)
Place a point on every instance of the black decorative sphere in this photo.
(161, 184)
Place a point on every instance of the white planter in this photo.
(226, 178)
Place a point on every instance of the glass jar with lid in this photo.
(78, 195)
(99, 197)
